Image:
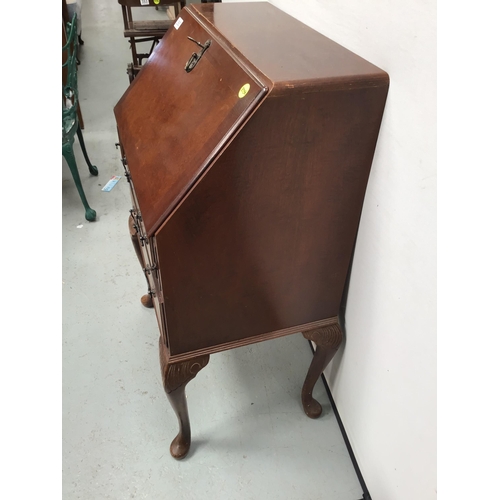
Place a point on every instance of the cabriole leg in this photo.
(327, 340)
(175, 378)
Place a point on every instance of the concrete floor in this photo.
(251, 439)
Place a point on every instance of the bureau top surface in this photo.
(281, 47)
(174, 122)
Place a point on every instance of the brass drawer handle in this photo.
(137, 218)
(149, 269)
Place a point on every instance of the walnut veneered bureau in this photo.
(247, 139)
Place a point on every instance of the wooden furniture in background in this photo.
(247, 140)
(145, 31)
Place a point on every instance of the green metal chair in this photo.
(70, 124)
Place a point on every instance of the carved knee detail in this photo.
(177, 374)
(327, 336)
(175, 377)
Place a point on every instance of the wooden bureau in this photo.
(247, 139)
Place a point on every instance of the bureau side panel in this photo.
(263, 241)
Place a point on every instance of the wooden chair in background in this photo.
(145, 30)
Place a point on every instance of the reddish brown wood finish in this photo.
(187, 116)
(263, 241)
(175, 377)
(327, 340)
(146, 299)
(290, 53)
(249, 206)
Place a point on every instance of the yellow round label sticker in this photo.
(244, 90)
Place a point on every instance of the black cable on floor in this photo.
(366, 494)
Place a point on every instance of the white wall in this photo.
(384, 380)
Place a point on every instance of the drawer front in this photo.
(147, 247)
(144, 241)
(157, 294)
(135, 212)
(126, 173)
